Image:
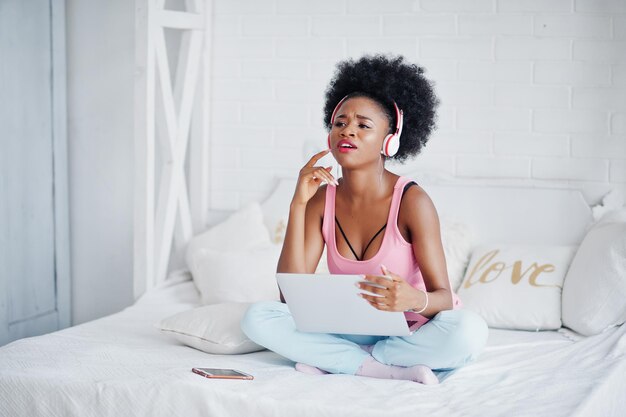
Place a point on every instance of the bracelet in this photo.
(425, 305)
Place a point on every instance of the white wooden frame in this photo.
(169, 119)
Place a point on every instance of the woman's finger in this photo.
(317, 157)
(382, 281)
(329, 177)
(313, 172)
(372, 298)
(324, 175)
(373, 289)
(387, 273)
(379, 306)
(321, 173)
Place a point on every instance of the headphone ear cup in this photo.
(391, 144)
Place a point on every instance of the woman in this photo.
(374, 223)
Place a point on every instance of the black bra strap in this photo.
(371, 240)
(350, 246)
(346, 238)
(406, 187)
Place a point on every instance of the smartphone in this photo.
(221, 373)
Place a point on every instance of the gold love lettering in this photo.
(486, 271)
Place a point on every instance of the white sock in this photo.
(418, 373)
(308, 369)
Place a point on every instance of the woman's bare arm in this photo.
(422, 220)
(304, 243)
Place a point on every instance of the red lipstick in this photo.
(345, 146)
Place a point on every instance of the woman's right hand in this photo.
(311, 177)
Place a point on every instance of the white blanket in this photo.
(122, 365)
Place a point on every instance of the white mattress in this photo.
(122, 365)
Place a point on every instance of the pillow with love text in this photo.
(517, 287)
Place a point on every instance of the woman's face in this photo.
(357, 134)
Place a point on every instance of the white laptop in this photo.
(327, 303)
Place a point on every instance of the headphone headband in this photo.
(399, 115)
(332, 117)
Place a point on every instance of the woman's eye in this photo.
(341, 124)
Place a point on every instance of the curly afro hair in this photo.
(386, 79)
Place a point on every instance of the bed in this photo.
(123, 365)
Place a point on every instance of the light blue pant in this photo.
(449, 340)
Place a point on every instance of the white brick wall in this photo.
(590, 169)
(573, 73)
(618, 124)
(531, 90)
(488, 166)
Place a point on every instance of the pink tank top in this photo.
(395, 252)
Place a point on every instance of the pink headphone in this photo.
(391, 143)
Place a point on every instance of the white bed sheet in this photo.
(121, 365)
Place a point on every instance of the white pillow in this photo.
(234, 260)
(243, 229)
(594, 291)
(244, 276)
(211, 329)
(517, 287)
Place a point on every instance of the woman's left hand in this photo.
(395, 295)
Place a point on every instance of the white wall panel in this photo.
(100, 53)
